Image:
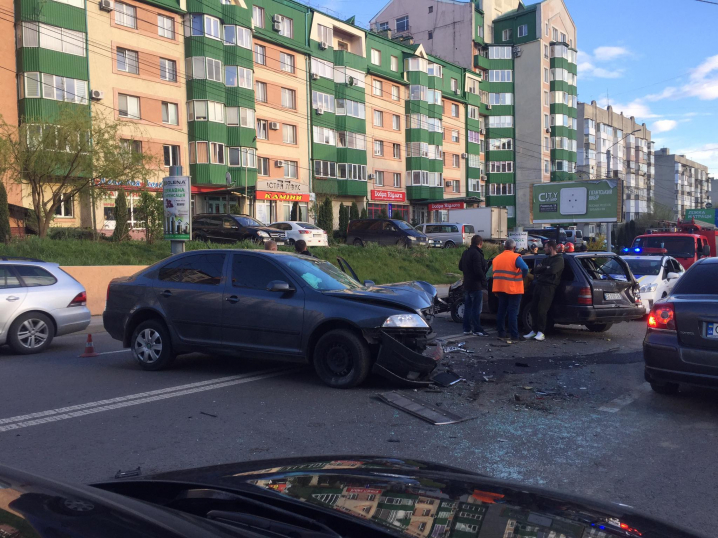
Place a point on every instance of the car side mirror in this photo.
(369, 283)
(279, 286)
(673, 276)
(706, 251)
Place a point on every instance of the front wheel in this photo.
(598, 327)
(341, 359)
(525, 317)
(151, 346)
(31, 333)
(291, 242)
(457, 311)
(449, 244)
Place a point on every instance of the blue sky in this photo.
(656, 59)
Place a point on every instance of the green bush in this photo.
(5, 232)
(63, 234)
(122, 229)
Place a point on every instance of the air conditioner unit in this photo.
(277, 18)
(488, 107)
(277, 27)
(315, 76)
(323, 45)
(97, 95)
(274, 125)
(371, 176)
(464, 155)
(483, 178)
(481, 131)
(279, 164)
(320, 110)
(548, 130)
(106, 5)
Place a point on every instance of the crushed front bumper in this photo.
(400, 364)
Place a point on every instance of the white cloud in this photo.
(667, 93)
(587, 69)
(587, 62)
(703, 85)
(636, 108)
(606, 54)
(663, 126)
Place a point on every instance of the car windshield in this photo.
(403, 225)
(678, 247)
(307, 226)
(604, 268)
(322, 276)
(645, 267)
(249, 221)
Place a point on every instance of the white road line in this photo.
(146, 396)
(118, 351)
(622, 401)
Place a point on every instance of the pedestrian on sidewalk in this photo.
(474, 266)
(547, 277)
(508, 287)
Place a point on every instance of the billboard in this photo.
(177, 198)
(577, 201)
(521, 238)
(702, 215)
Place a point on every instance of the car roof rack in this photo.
(19, 259)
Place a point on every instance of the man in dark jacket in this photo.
(301, 248)
(547, 278)
(474, 267)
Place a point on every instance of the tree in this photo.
(383, 214)
(150, 212)
(5, 232)
(353, 211)
(122, 229)
(294, 215)
(326, 216)
(364, 214)
(70, 155)
(343, 219)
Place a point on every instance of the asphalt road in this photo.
(572, 413)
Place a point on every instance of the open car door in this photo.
(344, 265)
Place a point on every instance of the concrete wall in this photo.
(95, 279)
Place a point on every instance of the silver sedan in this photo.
(38, 301)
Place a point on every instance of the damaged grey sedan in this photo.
(275, 306)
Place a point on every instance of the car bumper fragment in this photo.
(400, 364)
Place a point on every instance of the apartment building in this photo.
(525, 60)
(681, 183)
(615, 146)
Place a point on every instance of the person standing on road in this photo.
(508, 286)
(473, 265)
(547, 277)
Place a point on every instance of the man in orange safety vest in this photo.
(508, 286)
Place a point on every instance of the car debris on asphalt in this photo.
(422, 410)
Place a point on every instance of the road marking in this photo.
(64, 413)
(118, 351)
(622, 401)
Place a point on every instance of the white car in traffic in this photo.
(656, 275)
(313, 235)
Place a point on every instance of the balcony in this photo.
(341, 187)
(481, 61)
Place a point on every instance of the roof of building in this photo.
(518, 11)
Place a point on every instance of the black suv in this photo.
(597, 289)
(233, 228)
(385, 232)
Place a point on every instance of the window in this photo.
(263, 166)
(546, 167)
(213, 69)
(396, 151)
(230, 34)
(474, 113)
(555, 34)
(435, 70)
(171, 155)
(168, 70)
(289, 98)
(546, 121)
(523, 30)
(260, 54)
(262, 132)
(245, 117)
(322, 68)
(472, 85)
(500, 75)
(545, 74)
(379, 180)
(455, 110)
(501, 144)
(325, 169)
(55, 88)
(394, 63)
(322, 135)
(258, 16)
(33, 34)
(216, 152)
(378, 118)
(474, 162)
(260, 92)
(500, 53)
(501, 121)
(377, 87)
(244, 37)
(128, 61)
(397, 180)
(254, 272)
(402, 24)
(455, 161)
(545, 51)
(396, 122)
(507, 34)
(431, 34)
(211, 27)
(286, 27)
(454, 85)
(238, 76)
(375, 57)
(8, 279)
(546, 30)
(290, 169)
(326, 34)
(203, 269)
(546, 143)
(65, 209)
(501, 98)
(165, 27)
(129, 106)
(244, 157)
(289, 134)
(125, 15)
(378, 148)
(286, 62)
(455, 136)
(563, 38)
(351, 140)
(501, 189)
(169, 113)
(323, 100)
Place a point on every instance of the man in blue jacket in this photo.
(474, 266)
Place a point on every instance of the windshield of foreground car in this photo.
(644, 267)
(678, 247)
(322, 276)
(248, 221)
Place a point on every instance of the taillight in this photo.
(79, 300)
(304, 232)
(663, 317)
(585, 296)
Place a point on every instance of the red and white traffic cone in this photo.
(89, 348)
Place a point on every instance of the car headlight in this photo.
(649, 288)
(411, 321)
(260, 233)
(411, 238)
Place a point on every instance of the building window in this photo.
(501, 189)
(394, 63)
(546, 167)
(454, 136)
(128, 61)
(455, 110)
(165, 27)
(501, 98)
(472, 86)
(289, 98)
(507, 34)
(454, 85)
(290, 169)
(211, 27)
(262, 132)
(260, 54)
(546, 30)
(289, 134)
(129, 106)
(33, 34)
(286, 62)
(397, 181)
(326, 34)
(523, 30)
(263, 166)
(171, 155)
(500, 75)
(322, 68)
(545, 74)
(258, 16)
(397, 151)
(377, 87)
(168, 70)
(395, 93)
(501, 167)
(125, 15)
(216, 153)
(286, 27)
(246, 118)
(198, 152)
(322, 135)
(431, 34)
(555, 34)
(382, 26)
(455, 161)
(545, 52)
(396, 122)
(375, 57)
(244, 157)
(378, 118)
(260, 92)
(170, 113)
(379, 181)
(65, 209)
(378, 148)
(402, 24)
(238, 76)
(244, 38)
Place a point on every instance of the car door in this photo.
(672, 266)
(255, 319)
(12, 296)
(372, 232)
(390, 234)
(189, 289)
(213, 229)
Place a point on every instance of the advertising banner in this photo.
(521, 238)
(177, 195)
(577, 201)
(702, 215)
(282, 196)
(389, 196)
(443, 206)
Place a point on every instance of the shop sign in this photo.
(521, 238)
(177, 197)
(443, 206)
(282, 196)
(134, 184)
(389, 196)
(282, 185)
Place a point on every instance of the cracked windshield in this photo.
(391, 268)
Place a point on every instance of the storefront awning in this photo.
(220, 191)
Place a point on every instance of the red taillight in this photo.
(305, 232)
(662, 316)
(585, 296)
(79, 300)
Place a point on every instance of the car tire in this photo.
(31, 333)
(402, 243)
(341, 359)
(457, 311)
(598, 327)
(525, 317)
(667, 389)
(358, 243)
(152, 332)
(449, 244)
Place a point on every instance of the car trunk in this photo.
(697, 320)
(612, 284)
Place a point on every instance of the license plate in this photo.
(612, 296)
(712, 330)
(318, 236)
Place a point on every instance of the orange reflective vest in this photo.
(507, 277)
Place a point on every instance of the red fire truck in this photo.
(687, 242)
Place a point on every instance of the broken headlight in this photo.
(405, 321)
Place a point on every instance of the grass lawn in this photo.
(380, 264)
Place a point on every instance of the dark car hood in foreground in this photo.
(352, 495)
(412, 295)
